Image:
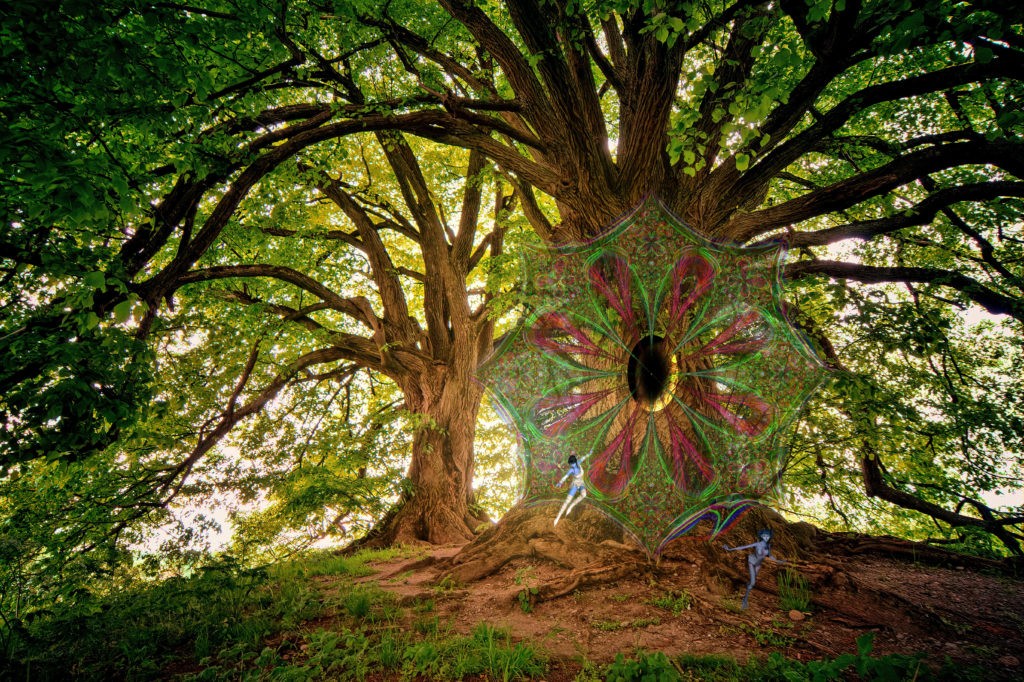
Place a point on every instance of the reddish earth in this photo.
(916, 599)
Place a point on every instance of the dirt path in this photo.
(970, 616)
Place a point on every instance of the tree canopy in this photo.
(285, 226)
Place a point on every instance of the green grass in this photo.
(675, 602)
(220, 618)
(861, 665)
(794, 591)
(227, 622)
(636, 623)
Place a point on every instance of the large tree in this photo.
(135, 150)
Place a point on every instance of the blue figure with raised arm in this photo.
(762, 549)
(577, 491)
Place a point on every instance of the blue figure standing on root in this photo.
(762, 549)
(577, 491)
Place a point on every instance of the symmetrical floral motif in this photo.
(665, 364)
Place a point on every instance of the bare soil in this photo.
(915, 598)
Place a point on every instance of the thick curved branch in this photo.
(430, 124)
(358, 309)
(754, 180)
(921, 213)
(852, 191)
(350, 238)
(470, 213)
(358, 349)
(875, 485)
(536, 105)
(383, 269)
(992, 301)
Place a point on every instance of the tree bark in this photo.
(438, 506)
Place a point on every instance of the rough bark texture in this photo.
(438, 507)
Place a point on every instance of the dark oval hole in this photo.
(648, 371)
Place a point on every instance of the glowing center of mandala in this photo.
(648, 372)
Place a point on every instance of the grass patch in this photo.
(613, 625)
(859, 665)
(794, 591)
(674, 602)
(353, 655)
(220, 617)
(766, 637)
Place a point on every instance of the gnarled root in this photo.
(589, 544)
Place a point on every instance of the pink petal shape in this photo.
(614, 484)
(618, 293)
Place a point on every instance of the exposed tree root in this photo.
(588, 544)
(853, 543)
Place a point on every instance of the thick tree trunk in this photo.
(438, 505)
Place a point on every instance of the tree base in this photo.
(410, 523)
(590, 546)
(594, 549)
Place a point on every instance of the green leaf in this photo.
(96, 280)
(122, 311)
(742, 162)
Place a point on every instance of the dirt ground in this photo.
(940, 607)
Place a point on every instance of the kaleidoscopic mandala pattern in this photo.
(665, 364)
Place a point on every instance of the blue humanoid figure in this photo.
(577, 491)
(762, 549)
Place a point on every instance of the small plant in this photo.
(610, 625)
(525, 598)
(446, 585)
(676, 602)
(794, 592)
(525, 575)
(358, 604)
(731, 604)
(767, 636)
(589, 672)
(620, 597)
(390, 649)
(427, 626)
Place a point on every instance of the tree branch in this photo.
(753, 181)
(992, 301)
(921, 213)
(854, 190)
